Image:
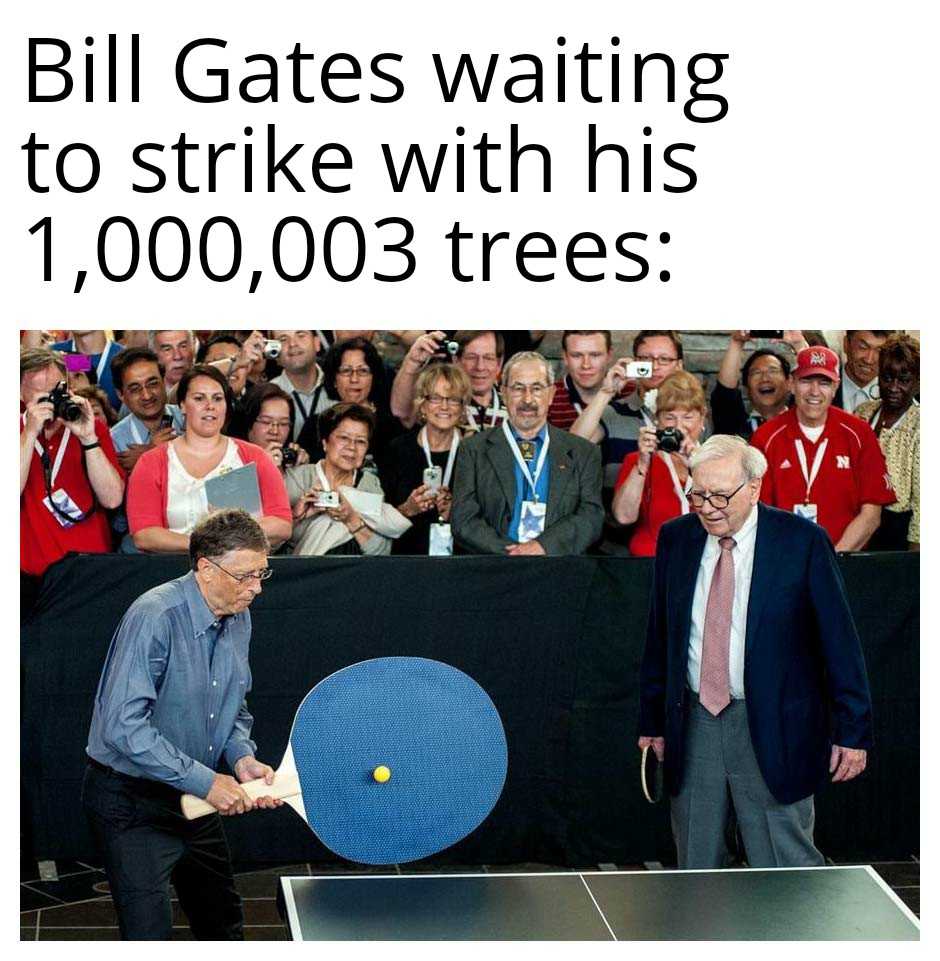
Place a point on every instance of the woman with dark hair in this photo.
(166, 495)
(895, 420)
(353, 373)
(100, 405)
(338, 507)
(268, 420)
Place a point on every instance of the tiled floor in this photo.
(77, 907)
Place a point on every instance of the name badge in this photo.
(441, 542)
(531, 521)
(64, 503)
(809, 511)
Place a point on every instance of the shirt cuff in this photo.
(198, 781)
(235, 752)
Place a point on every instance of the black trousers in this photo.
(147, 843)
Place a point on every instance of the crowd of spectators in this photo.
(469, 443)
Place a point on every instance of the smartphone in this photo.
(432, 477)
(765, 334)
(639, 368)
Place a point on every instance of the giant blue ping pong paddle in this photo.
(432, 727)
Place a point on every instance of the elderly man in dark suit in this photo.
(527, 488)
(753, 684)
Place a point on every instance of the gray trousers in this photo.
(720, 771)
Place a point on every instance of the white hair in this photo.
(753, 462)
(525, 356)
(152, 336)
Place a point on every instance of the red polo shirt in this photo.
(43, 540)
(852, 472)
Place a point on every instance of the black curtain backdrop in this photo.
(556, 642)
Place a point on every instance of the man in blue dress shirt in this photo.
(170, 708)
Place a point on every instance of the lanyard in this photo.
(680, 493)
(520, 460)
(103, 361)
(810, 476)
(494, 411)
(41, 451)
(322, 476)
(454, 444)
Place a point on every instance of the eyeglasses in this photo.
(520, 390)
(346, 441)
(658, 361)
(271, 422)
(261, 575)
(134, 389)
(718, 501)
(439, 401)
(349, 371)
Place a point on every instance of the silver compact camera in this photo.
(327, 499)
(272, 349)
(639, 369)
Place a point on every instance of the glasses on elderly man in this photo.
(520, 390)
(718, 501)
(261, 575)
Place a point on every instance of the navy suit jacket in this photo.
(804, 675)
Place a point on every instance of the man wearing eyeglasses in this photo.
(753, 684)
(169, 709)
(527, 488)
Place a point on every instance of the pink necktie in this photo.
(714, 685)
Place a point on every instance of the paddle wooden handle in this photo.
(284, 786)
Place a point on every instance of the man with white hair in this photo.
(527, 488)
(753, 684)
(176, 351)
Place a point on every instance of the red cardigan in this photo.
(147, 490)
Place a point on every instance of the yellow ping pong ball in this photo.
(381, 774)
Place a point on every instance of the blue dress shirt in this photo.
(523, 488)
(131, 430)
(171, 700)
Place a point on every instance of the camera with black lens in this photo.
(63, 405)
(669, 440)
(288, 456)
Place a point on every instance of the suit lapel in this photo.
(560, 471)
(504, 467)
(684, 593)
(765, 558)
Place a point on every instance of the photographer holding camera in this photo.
(268, 421)
(68, 467)
(654, 481)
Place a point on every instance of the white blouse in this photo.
(186, 502)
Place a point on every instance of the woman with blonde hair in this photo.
(654, 480)
(417, 473)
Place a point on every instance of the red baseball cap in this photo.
(817, 362)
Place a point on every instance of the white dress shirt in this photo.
(854, 395)
(743, 555)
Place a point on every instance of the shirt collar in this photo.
(539, 437)
(745, 536)
(199, 613)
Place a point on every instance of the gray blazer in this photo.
(485, 491)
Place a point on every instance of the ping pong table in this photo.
(827, 903)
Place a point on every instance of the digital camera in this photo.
(288, 456)
(272, 349)
(669, 440)
(327, 499)
(62, 403)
